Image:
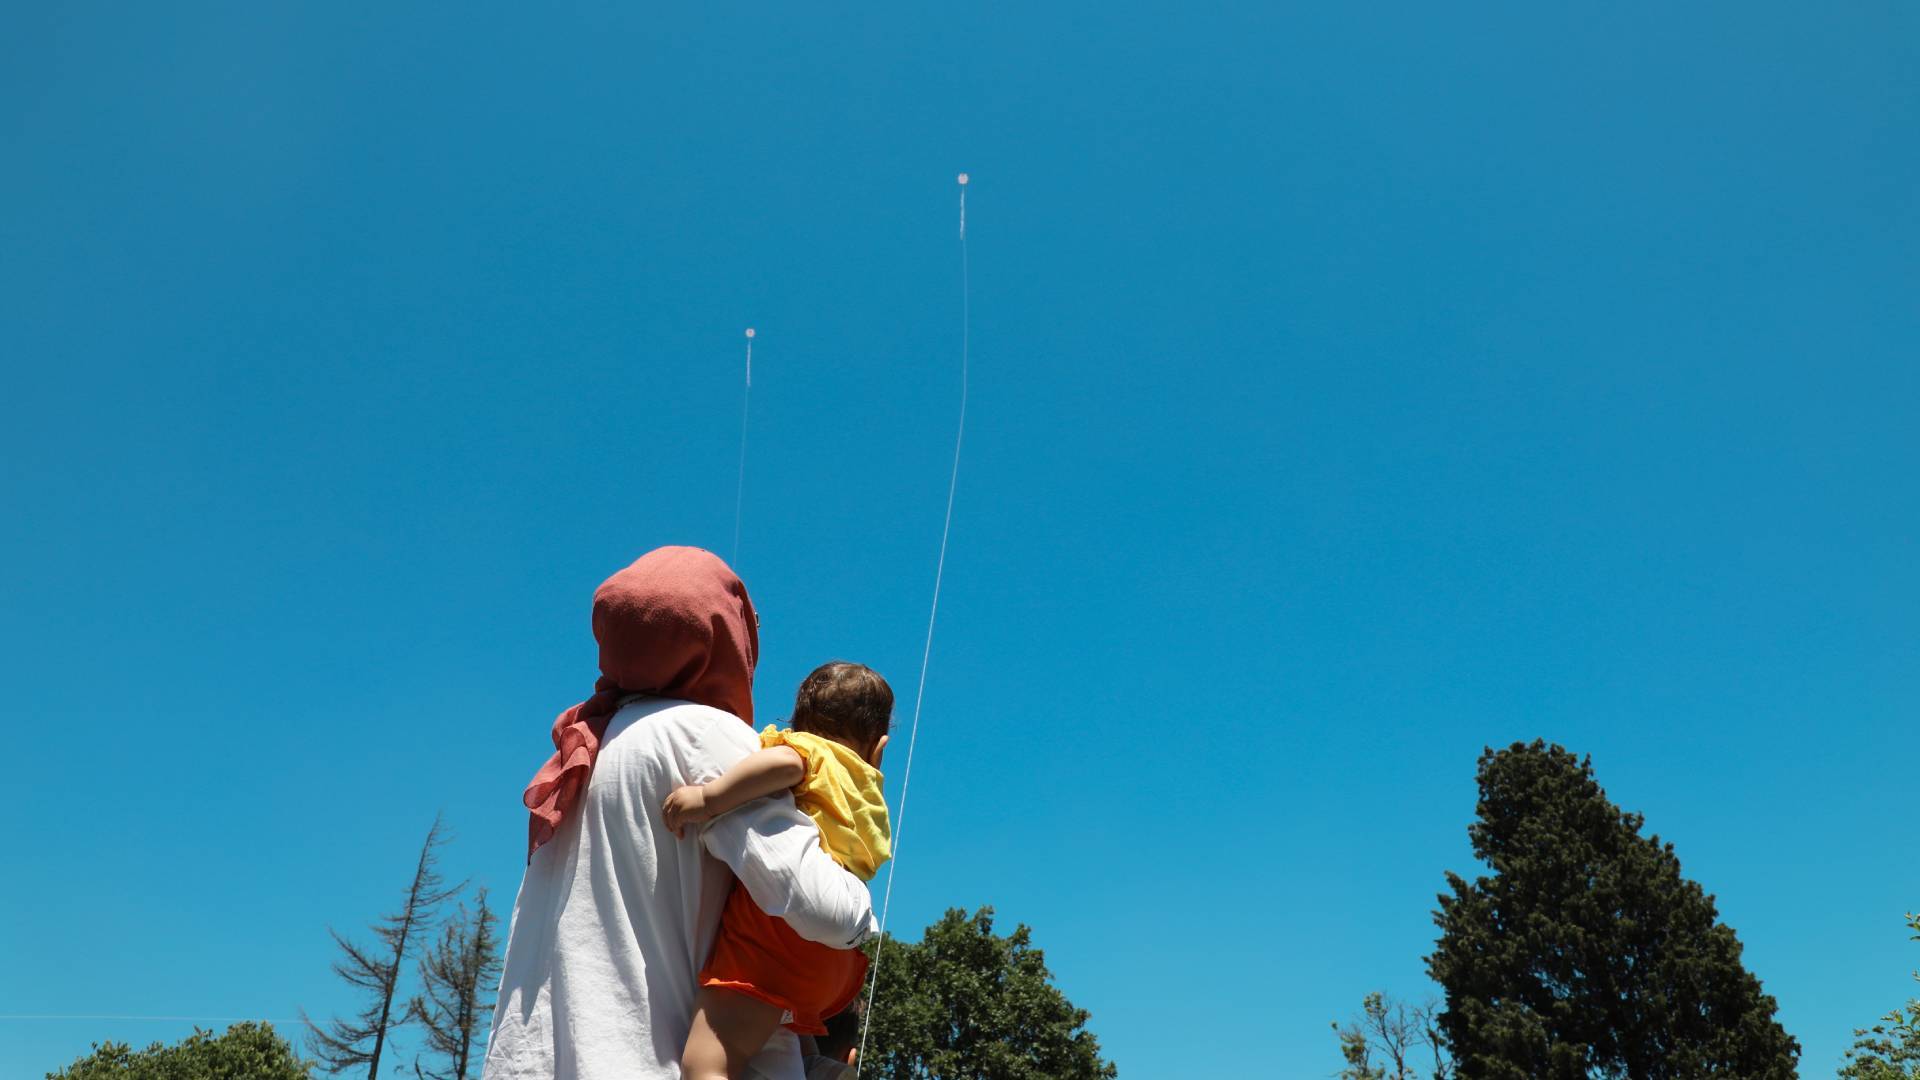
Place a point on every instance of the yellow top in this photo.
(841, 793)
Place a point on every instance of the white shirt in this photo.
(616, 915)
(821, 1068)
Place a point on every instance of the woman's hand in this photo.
(686, 806)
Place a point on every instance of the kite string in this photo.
(740, 486)
(926, 652)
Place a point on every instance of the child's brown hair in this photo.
(849, 703)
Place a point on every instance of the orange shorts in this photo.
(760, 956)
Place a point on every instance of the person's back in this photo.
(628, 912)
(616, 915)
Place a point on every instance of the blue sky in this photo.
(1353, 387)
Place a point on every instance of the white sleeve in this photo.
(775, 851)
(823, 1068)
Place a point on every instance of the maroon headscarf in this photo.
(677, 623)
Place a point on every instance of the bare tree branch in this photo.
(343, 1044)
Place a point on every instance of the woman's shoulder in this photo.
(701, 739)
(674, 714)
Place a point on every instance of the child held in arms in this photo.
(761, 974)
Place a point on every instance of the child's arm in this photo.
(764, 772)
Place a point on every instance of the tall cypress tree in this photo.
(1585, 954)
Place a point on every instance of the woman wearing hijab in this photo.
(615, 914)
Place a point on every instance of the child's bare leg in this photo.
(728, 1029)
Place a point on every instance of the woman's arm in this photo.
(774, 850)
(777, 768)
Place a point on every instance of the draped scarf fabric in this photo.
(675, 624)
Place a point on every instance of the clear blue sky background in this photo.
(1355, 386)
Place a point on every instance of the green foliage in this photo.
(1585, 954)
(965, 1002)
(245, 1052)
(1890, 1049)
(1399, 1033)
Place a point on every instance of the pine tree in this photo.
(456, 976)
(347, 1044)
(1585, 953)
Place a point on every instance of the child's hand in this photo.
(686, 806)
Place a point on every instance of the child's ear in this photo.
(878, 749)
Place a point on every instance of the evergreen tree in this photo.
(965, 1002)
(456, 977)
(1585, 954)
(1890, 1049)
(348, 1044)
(249, 1051)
